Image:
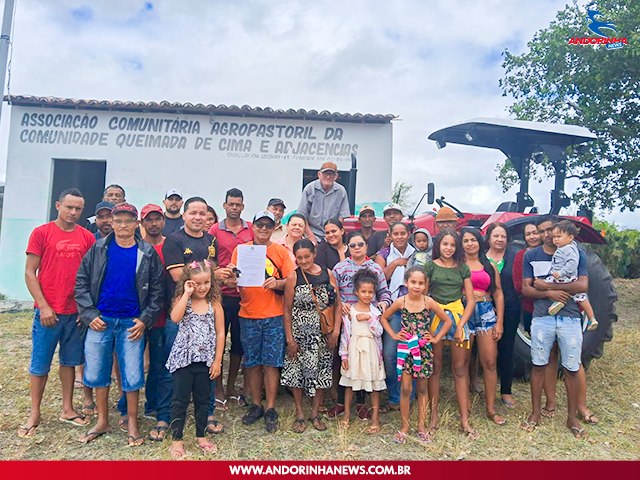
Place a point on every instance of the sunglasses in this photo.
(263, 226)
(356, 244)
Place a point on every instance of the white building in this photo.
(147, 148)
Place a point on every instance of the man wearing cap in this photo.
(367, 218)
(103, 219)
(231, 232)
(446, 218)
(391, 213)
(173, 218)
(277, 207)
(118, 292)
(322, 200)
(261, 324)
(113, 194)
(54, 253)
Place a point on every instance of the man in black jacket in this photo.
(118, 292)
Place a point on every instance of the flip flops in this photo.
(208, 448)
(528, 426)
(548, 412)
(135, 441)
(221, 405)
(89, 409)
(27, 432)
(91, 436)
(161, 433)
(318, 424)
(496, 418)
(578, 432)
(239, 399)
(424, 438)
(300, 425)
(590, 419)
(214, 427)
(400, 437)
(77, 421)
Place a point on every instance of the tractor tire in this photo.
(602, 295)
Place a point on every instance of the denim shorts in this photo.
(566, 330)
(66, 332)
(452, 331)
(98, 352)
(483, 318)
(263, 341)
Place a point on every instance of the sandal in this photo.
(208, 448)
(177, 453)
(508, 403)
(548, 412)
(500, 420)
(214, 427)
(578, 432)
(223, 405)
(89, 409)
(239, 399)
(78, 384)
(300, 425)
(400, 437)
(91, 436)
(318, 424)
(123, 423)
(160, 433)
(529, 426)
(77, 421)
(424, 438)
(134, 441)
(470, 433)
(27, 432)
(590, 419)
(373, 429)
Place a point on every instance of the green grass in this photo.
(614, 395)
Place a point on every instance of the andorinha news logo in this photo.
(602, 29)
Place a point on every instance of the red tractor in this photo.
(525, 142)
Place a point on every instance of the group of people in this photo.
(365, 312)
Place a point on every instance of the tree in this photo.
(401, 194)
(587, 85)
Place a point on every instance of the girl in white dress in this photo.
(361, 348)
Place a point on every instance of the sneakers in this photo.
(271, 420)
(254, 414)
(363, 412)
(555, 308)
(592, 324)
(335, 411)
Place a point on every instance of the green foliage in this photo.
(621, 255)
(401, 194)
(585, 85)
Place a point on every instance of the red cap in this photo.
(125, 208)
(148, 208)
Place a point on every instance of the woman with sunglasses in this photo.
(333, 250)
(343, 273)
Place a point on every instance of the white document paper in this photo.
(252, 260)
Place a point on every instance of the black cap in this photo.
(104, 206)
(276, 201)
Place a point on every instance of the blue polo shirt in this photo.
(118, 295)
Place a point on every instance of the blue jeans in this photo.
(566, 331)
(66, 332)
(389, 351)
(159, 383)
(98, 352)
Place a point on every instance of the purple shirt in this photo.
(344, 272)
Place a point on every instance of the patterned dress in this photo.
(195, 341)
(311, 369)
(418, 323)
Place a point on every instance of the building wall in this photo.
(147, 153)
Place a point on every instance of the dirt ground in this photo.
(614, 395)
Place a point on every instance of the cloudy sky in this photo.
(433, 63)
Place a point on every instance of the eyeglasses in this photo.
(263, 226)
(356, 244)
(329, 174)
(128, 222)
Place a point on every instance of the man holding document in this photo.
(263, 266)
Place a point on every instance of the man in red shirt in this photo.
(231, 232)
(54, 253)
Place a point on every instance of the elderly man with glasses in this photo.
(322, 200)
